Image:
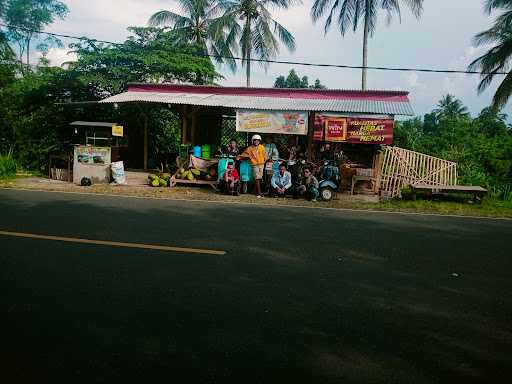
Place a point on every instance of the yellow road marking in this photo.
(113, 243)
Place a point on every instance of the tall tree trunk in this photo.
(248, 68)
(248, 54)
(28, 52)
(365, 45)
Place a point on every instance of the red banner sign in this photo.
(353, 129)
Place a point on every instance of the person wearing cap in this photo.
(258, 156)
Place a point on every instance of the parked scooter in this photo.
(330, 180)
(246, 176)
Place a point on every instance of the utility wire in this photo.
(393, 69)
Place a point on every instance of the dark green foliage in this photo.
(165, 134)
(7, 166)
(31, 124)
(482, 147)
(294, 81)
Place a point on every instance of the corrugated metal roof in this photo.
(92, 124)
(356, 105)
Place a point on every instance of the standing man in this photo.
(257, 155)
(271, 148)
(281, 181)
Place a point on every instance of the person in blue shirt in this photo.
(271, 148)
(281, 182)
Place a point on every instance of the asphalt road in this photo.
(301, 295)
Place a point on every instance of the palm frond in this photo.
(328, 21)
(319, 8)
(284, 35)
(165, 18)
(391, 7)
(503, 93)
(491, 5)
(345, 16)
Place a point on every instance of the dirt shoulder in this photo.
(489, 208)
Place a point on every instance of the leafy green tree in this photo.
(318, 85)
(7, 58)
(498, 58)
(409, 134)
(280, 82)
(195, 25)
(26, 17)
(349, 14)
(294, 81)
(249, 28)
(149, 55)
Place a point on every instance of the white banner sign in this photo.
(289, 123)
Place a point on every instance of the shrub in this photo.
(7, 166)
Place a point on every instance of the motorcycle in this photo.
(330, 180)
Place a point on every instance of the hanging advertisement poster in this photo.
(354, 129)
(336, 129)
(290, 122)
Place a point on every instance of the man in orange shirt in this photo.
(258, 156)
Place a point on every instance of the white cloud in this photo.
(57, 56)
(413, 81)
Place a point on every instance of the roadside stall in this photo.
(353, 141)
(98, 145)
(345, 126)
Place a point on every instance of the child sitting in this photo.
(232, 179)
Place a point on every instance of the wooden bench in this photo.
(477, 191)
(212, 184)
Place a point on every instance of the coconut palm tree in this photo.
(194, 25)
(499, 57)
(450, 108)
(250, 28)
(349, 14)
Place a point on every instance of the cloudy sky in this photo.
(441, 39)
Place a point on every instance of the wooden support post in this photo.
(193, 136)
(145, 141)
(311, 128)
(184, 126)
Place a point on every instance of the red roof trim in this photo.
(318, 94)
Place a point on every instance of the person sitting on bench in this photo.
(281, 182)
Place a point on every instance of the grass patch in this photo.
(489, 207)
(7, 167)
